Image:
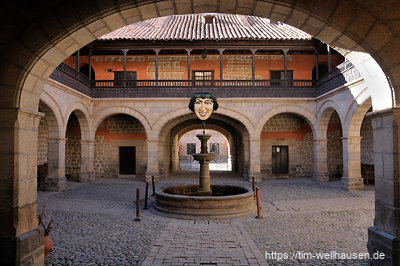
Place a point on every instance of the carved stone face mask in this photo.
(203, 108)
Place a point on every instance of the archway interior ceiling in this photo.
(212, 124)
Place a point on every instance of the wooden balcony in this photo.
(220, 88)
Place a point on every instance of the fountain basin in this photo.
(226, 201)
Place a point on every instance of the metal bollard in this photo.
(146, 195)
(253, 183)
(137, 205)
(258, 204)
(154, 186)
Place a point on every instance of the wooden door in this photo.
(280, 160)
(127, 160)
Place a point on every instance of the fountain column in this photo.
(204, 159)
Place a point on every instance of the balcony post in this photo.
(188, 61)
(329, 58)
(285, 51)
(77, 60)
(253, 65)
(157, 51)
(221, 74)
(125, 51)
(90, 64)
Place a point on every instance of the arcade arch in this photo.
(120, 148)
(286, 146)
(238, 138)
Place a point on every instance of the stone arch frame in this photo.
(55, 179)
(352, 144)
(355, 116)
(181, 115)
(27, 64)
(324, 113)
(166, 118)
(307, 115)
(53, 117)
(83, 116)
(321, 165)
(301, 112)
(105, 113)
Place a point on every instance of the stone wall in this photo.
(73, 156)
(334, 147)
(43, 144)
(367, 141)
(114, 132)
(292, 131)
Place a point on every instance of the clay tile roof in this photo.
(194, 27)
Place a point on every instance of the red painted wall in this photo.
(301, 65)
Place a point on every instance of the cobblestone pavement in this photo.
(94, 225)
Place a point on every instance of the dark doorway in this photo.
(280, 160)
(127, 160)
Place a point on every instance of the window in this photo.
(214, 148)
(119, 77)
(280, 75)
(203, 75)
(191, 148)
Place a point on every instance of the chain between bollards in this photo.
(258, 204)
(146, 196)
(137, 205)
(154, 186)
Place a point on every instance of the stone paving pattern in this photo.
(94, 225)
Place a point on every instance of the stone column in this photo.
(21, 241)
(152, 160)
(384, 236)
(352, 179)
(56, 180)
(254, 159)
(320, 173)
(86, 173)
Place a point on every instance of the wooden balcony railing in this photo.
(221, 88)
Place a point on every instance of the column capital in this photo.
(285, 50)
(188, 50)
(125, 51)
(157, 50)
(253, 50)
(221, 50)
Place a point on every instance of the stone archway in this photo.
(171, 129)
(115, 133)
(324, 169)
(51, 154)
(286, 145)
(79, 147)
(352, 145)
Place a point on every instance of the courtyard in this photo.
(94, 225)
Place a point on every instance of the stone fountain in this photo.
(205, 200)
